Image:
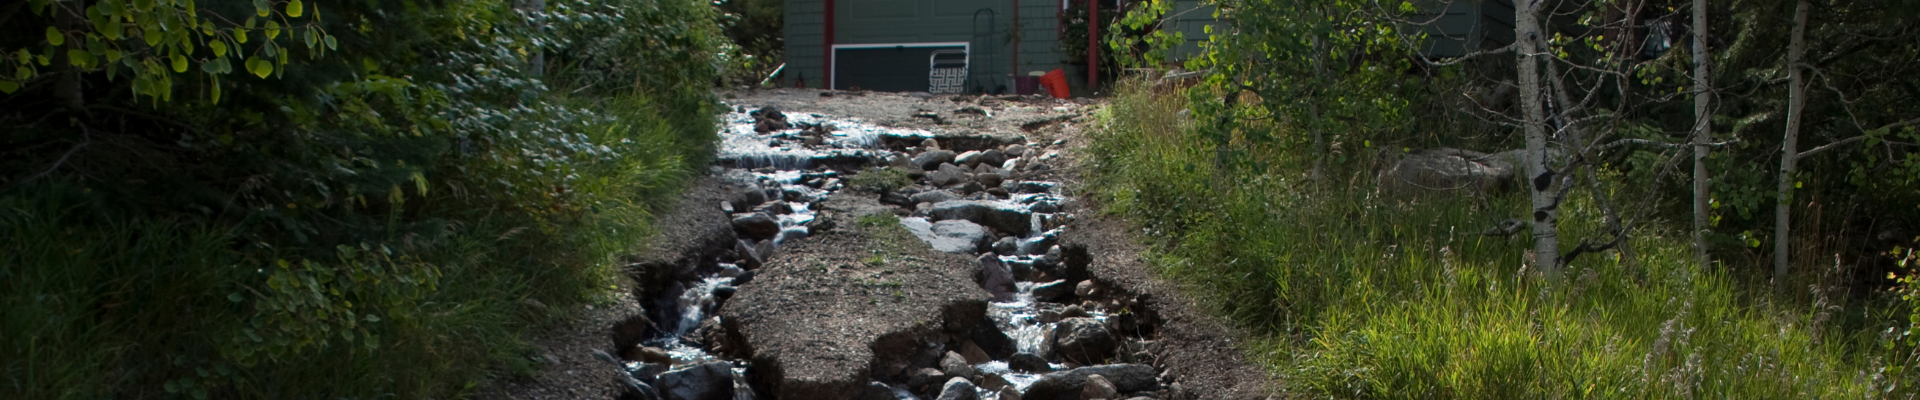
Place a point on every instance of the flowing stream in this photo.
(802, 164)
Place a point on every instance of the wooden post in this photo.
(1093, 45)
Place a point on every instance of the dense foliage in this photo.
(1268, 169)
(390, 197)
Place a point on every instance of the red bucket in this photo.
(1055, 82)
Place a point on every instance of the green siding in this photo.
(804, 37)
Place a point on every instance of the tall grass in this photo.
(101, 302)
(1358, 296)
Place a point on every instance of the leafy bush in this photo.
(384, 221)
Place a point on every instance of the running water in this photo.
(796, 167)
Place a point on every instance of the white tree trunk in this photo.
(1540, 179)
(1702, 125)
(1790, 146)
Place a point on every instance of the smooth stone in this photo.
(1097, 387)
(708, 381)
(932, 159)
(1067, 385)
(1002, 217)
(1083, 340)
(958, 389)
(955, 365)
(756, 225)
(1052, 292)
(934, 196)
(1029, 362)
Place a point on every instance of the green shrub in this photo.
(388, 221)
(1356, 296)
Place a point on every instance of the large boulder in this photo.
(1448, 170)
(1083, 340)
(1005, 218)
(1068, 385)
(708, 381)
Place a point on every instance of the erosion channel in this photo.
(786, 275)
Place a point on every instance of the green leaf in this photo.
(240, 35)
(260, 8)
(259, 67)
(113, 29)
(54, 37)
(80, 58)
(9, 86)
(273, 30)
(331, 44)
(308, 36)
(251, 22)
(179, 63)
(234, 297)
(295, 8)
(373, 318)
(211, 67)
(23, 73)
(219, 48)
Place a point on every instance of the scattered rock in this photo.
(955, 365)
(708, 381)
(948, 174)
(1098, 387)
(995, 277)
(1004, 218)
(931, 159)
(973, 353)
(994, 382)
(756, 225)
(1084, 288)
(1067, 385)
(1055, 291)
(951, 236)
(1083, 340)
(959, 389)
(1029, 362)
(924, 377)
(990, 180)
(1007, 246)
(933, 196)
(1015, 150)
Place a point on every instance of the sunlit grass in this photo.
(1358, 296)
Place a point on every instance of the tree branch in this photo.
(1843, 142)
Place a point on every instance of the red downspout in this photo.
(826, 48)
(1093, 45)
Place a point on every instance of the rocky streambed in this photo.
(830, 258)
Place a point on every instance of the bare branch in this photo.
(1843, 142)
